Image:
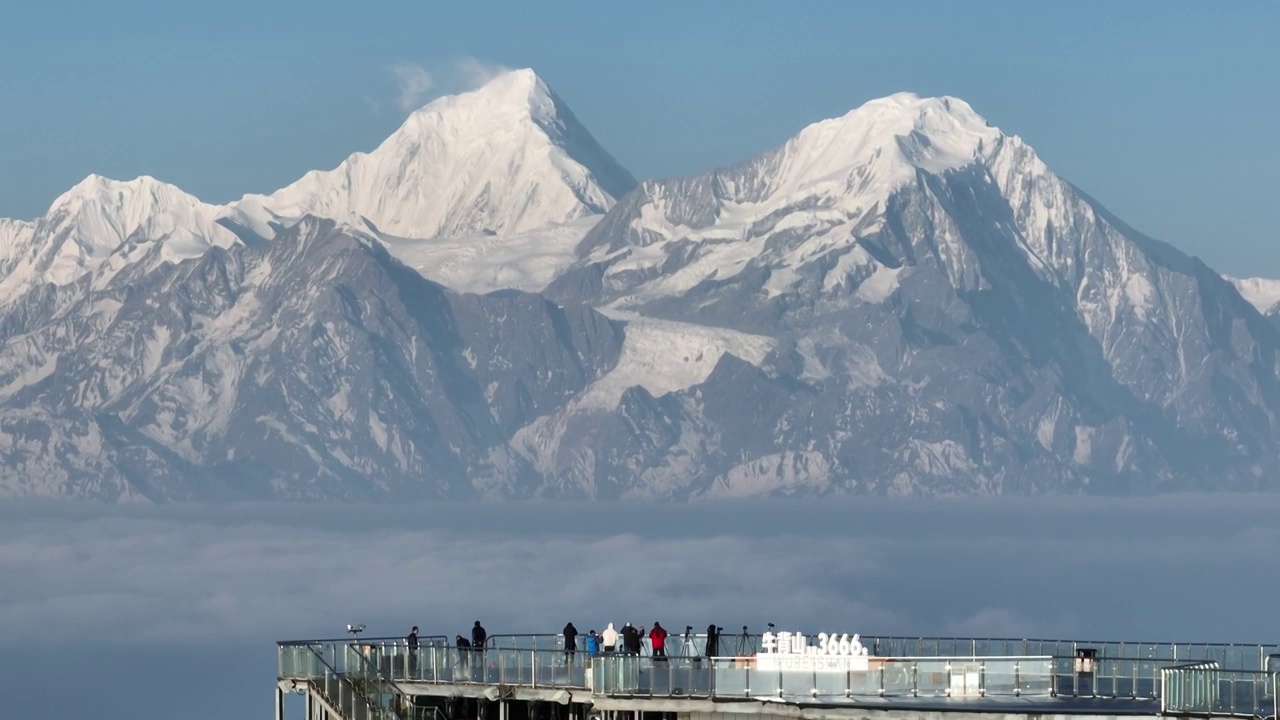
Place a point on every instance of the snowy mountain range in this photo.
(902, 300)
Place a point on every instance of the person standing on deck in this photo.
(464, 651)
(570, 641)
(593, 644)
(610, 637)
(412, 642)
(630, 639)
(658, 640)
(713, 641)
(478, 638)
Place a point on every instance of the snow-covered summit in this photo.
(1262, 293)
(508, 157)
(91, 221)
(812, 197)
(885, 139)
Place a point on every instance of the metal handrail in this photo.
(422, 639)
(371, 708)
(1232, 655)
(1242, 656)
(399, 699)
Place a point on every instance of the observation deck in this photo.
(531, 677)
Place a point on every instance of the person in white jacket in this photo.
(609, 638)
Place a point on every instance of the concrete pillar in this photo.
(502, 710)
(279, 703)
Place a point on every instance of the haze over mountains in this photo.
(902, 300)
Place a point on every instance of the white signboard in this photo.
(788, 651)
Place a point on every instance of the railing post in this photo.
(1275, 695)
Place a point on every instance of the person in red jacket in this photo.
(658, 639)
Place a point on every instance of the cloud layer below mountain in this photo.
(1131, 568)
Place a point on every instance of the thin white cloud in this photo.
(475, 72)
(414, 83)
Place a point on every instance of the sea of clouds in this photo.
(137, 601)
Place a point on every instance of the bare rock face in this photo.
(316, 367)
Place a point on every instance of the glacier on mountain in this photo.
(901, 300)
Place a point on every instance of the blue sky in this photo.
(1167, 112)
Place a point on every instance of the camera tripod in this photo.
(689, 644)
(746, 644)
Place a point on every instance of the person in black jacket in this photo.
(713, 641)
(478, 637)
(570, 641)
(631, 639)
(412, 642)
(464, 652)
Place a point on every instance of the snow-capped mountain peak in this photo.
(507, 157)
(1262, 293)
(109, 211)
(806, 201)
(88, 223)
(887, 138)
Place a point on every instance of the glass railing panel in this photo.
(830, 686)
(299, 661)
(630, 665)
(515, 667)
(686, 679)
(604, 674)
(965, 679)
(616, 675)
(898, 678)
(762, 682)
(1246, 658)
(1035, 676)
(661, 680)
(435, 664)
(1102, 680)
(551, 668)
(793, 684)
(731, 681)
(932, 678)
(866, 684)
(576, 673)
(1251, 693)
(1002, 677)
